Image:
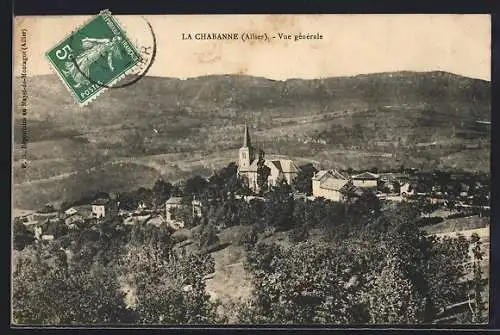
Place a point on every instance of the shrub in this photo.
(459, 215)
(22, 236)
(249, 239)
(299, 234)
(208, 236)
(428, 221)
(181, 235)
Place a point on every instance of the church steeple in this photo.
(247, 153)
(246, 139)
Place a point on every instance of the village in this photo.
(458, 194)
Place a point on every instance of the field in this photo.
(172, 128)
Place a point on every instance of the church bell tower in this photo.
(247, 153)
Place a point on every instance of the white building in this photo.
(70, 211)
(406, 189)
(174, 205)
(365, 180)
(99, 208)
(38, 233)
(331, 185)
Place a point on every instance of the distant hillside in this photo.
(386, 120)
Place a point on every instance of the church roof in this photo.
(282, 165)
(100, 201)
(277, 164)
(246, 138)
(288, 166)
(174, 200)
(366, 176)
(252, 167)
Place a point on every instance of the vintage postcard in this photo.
(251, 169)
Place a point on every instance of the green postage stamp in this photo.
(94, 57)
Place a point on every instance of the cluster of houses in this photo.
(42, 224)
(337, 186)
(331, 184)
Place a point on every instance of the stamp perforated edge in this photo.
(54, 67)
(102, 89)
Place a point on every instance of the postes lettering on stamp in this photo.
(94, 57)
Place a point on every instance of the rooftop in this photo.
(366, 176)
(100, 201)
(321, 175)
(334, 184)
(174, 200)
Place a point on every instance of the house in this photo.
(136, 219)
(104, 207)
(248, 198)
(29, 220)
(406, 190)
(172, 207)
(156, 220)
(70, 211)
(297, 196)
(141, 207)
(49, 237)
(99, 208)
(331, 184)
(74, 219)
(365, 180)
(38, 232)
(249, 158)
(196, 208)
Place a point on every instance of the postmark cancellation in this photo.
(94, 57)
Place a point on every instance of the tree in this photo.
(263, 172)
(249, 238)
(65, 295)
(169, 286)
(307, 283)
(299, 233)
(184, 213)
(364, 210)
(208, 236)
(47, 209)
(56, 228)
(396, 185)
(161, 192)
(278, 209)
(478, 306)
(425, 206)
(195, 185)
(303, 181)
(128, 201)
(22, 236)
(393, 298)
(224, 176)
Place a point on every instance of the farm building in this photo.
(365, 180)
(174, 205)
(330, 184)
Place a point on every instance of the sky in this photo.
(351, 44)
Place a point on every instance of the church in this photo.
(280, 169)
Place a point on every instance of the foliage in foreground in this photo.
(372, 266)
(398, 276)
(65, 294)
